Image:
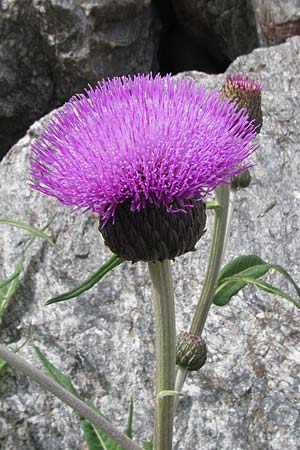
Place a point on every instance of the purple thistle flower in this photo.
(158, 141)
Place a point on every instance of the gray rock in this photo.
(277, 20)
(232, 28)
(227, 27)
(247, 395)
(51, 49)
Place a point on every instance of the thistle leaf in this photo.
(239, 264)
(9, 287)
(95, 438)
(15, 275)
(267, 287)
(54, 373)
(98, 440)
(113, 262)
(90, 436)
(3, 364)
(148, 446)
(33, 230)
(247, 269)
(128, 430)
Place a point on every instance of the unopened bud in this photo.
(245, 93)
(241, 180)
(191, 351)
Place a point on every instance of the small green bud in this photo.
(245, 93)
(241, 180)
(191, 351)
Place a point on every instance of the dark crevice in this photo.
(179, 52)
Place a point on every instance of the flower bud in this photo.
(191, 351)
(153, 233)
(245, 93)
(241, 180)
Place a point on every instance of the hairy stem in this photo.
(232, 197)
(165, 340)
(215, 259)
(179, 381)
(220, 230)
(18, 363)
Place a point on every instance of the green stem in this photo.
(69, 399)
(179, 381)
(165, 340)
(232, 197)
(220, 230)
(215, 259)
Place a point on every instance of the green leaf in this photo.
(88, 429)
(95, 438)
(147, 446)
(245, 270)
(105, 441)
(281, 270)
(9, 286)
(16, 273)
(268, 288)
(33, 230)
(54, 373)
(90, 436)
(128, 430)
(113, 262)
(8, 290)
(229, 287)
(7, 293)
(239, 264)
(3, 364)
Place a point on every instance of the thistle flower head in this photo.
(241, 180)
(191, 351)
(246, 93)
(142, 142)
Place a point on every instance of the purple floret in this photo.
(239, 82)
(158, 140)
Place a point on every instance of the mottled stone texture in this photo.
(51, 49)
(247, 395)
(276, 20)
(235, 27)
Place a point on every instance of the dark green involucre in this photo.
(191, 351)
(154, 234)
(241, 180)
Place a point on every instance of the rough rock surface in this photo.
(247, 395)
(51, 49)
(276, 20)
(235, 27)
(228, 27)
